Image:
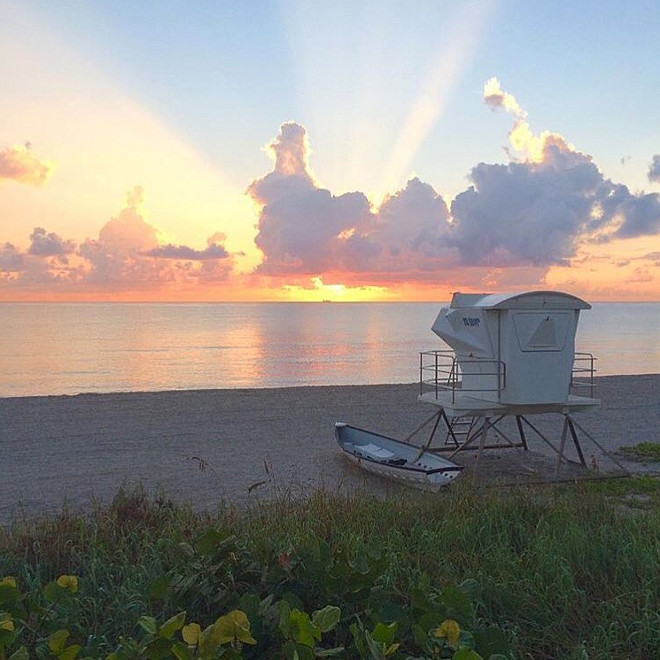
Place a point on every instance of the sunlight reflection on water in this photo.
(67, 348)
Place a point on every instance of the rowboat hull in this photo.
(394, 459)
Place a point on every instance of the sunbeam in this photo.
(435, 91)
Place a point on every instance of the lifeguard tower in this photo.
(512, 356)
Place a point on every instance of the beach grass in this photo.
(570, 572)
(643, 451)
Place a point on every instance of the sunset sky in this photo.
(301, 150)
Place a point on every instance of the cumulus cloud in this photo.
(654, 170)
(18, 163)
(305, 230)
(547, 200)
(513, 222)
(529, 214)
(409, 233)
(171, 251)
(11, 259)
(496, 98)
(45, 244)
(525, 145)
(116, 257)
(300, 224)
(37, 271)
(125, 256)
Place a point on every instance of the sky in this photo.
(302, 150)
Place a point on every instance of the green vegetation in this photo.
(643, 451)
(545, 573)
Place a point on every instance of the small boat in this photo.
(394, 459)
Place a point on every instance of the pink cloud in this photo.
(44, 244)
(12, 260)
(640, 275)
(125, 256)
(20, 164)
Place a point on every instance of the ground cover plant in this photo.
(544, 573)
(643, 451)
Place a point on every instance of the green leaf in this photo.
(376, 650)
(420, 600)
(457, 602)
(303, 652)
(449, 630)
(293, 600)
(420, 636)
(249, 603)
(181, 651)
(328, 653)
(491, 641)
(213, 541)
(360, 563)
(384, 634)
(6, 629)
(466, 654)
(68, 582)
(303, 630)
(327, 618)
(70, 652)
(159, 648)
(285, 614)
(191, 634)
(430, 621)
(158, 589)
(358, 633)
(148, 624)
(172, 625)
(232, 627)
(471, 587)
(20, 654)
(391, 649)
(9, 592)
(6, 621)
(57, 640)
(54, 593)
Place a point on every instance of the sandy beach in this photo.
(81, 449)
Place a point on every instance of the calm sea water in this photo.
(67, 348)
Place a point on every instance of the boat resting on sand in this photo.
(394, 459)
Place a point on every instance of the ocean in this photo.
(70, 348)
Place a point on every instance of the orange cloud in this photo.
(18, 163)
(544, 218)
(125, 257)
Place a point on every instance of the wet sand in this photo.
(81, 449)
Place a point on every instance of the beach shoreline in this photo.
(206, 447)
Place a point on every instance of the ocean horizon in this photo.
(94, 347)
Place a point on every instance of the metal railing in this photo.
(440, 371)
(582, 376)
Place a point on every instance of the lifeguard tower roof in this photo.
(526, 300)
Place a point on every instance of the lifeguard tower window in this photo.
(541, 331)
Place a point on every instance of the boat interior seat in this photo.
(375, 452)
